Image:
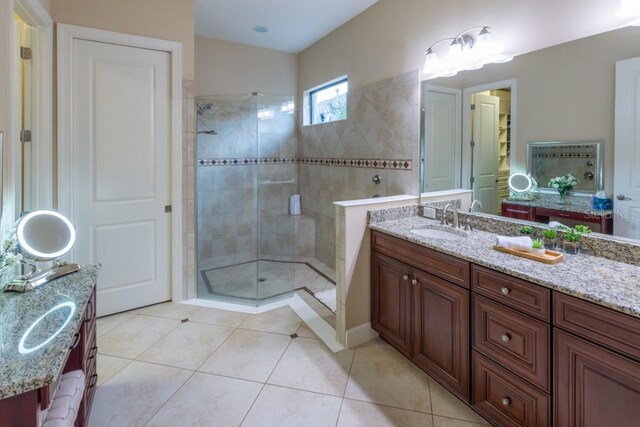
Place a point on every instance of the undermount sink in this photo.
(434, 233)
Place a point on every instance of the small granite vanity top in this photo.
(605, 282)
(568, 206)
(51, 315)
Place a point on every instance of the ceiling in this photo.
(293, 25)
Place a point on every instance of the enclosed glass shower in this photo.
(246, 241)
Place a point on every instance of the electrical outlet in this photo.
(430, 213)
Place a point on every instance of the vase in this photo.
(563, 198)
(550, 244)
(539, 252)
(572, 248)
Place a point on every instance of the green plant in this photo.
(526, 229)
(550, 234)
(572, 235)
(537, 244)
(564, 183)
(582, 229)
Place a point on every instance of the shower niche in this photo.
(249, 249)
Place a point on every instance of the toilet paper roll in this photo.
(294, 205)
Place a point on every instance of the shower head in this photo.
(203, 108)
(208, 132)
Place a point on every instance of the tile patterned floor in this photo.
(229, 369)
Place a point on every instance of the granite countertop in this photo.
(51, 314)
(569, 206)
(608, 283)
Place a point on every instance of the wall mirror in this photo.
(582, 159)
(43, 236)
(557, 95)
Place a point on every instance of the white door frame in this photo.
(41, 165)
(66, 35)
(466, 121)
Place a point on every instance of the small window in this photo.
(327, 103)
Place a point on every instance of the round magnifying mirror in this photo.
(520, 183)
(45, 235)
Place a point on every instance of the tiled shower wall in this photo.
(230, 193)
(382, 122)
(188, 188)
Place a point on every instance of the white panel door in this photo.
(485, 151)
(442, 133)
(121, 171)
(626, 180)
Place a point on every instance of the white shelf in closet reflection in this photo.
(276, 182)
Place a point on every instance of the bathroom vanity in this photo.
(523, 344)
(44, 334)
(538, 211)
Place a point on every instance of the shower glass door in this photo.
(243, 230)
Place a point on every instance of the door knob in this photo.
(414, 282)
(405, 277)
(623, 197)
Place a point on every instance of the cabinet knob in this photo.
(414, 281)
(505, 337)
(505, 291)
(405, 277)
(506, 401)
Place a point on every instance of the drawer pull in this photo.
(405, 277)
(75, 342)
(89, 312)
(505, 291)
(506, 401)
(505, 337)
(414, 282)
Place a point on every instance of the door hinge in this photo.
(167, 209)
(25, 52)
(473, 143)
(25, 135)
(473, 180)
(473, 106)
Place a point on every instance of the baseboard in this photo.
(360, 335)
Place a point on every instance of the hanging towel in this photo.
(294, 205)
(517, 243)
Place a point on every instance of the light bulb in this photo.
(431, 62)
(454, 58)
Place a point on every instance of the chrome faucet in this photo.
(475, 203)
(455, 223)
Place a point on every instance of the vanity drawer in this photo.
(515, 341)
(602, 325)
(444, 266)
(512, 210)
(515, 293)
(506, 399)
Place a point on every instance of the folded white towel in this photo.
(557, 225)
(523, 243)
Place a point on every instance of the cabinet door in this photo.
(594, 387)
(391, 299)
(441, 332)
(511, 210)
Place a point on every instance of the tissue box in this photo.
(602, 204)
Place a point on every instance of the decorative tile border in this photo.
(396, 164)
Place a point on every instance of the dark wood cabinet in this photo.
(441, 331)
(491, 339)
(391, 301)
(594, 387)
(418, 309)
(512, 210)
(604, 221)
(506, 399)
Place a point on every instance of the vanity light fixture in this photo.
(470, 50)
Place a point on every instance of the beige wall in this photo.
(163, 19)
(223, 67)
